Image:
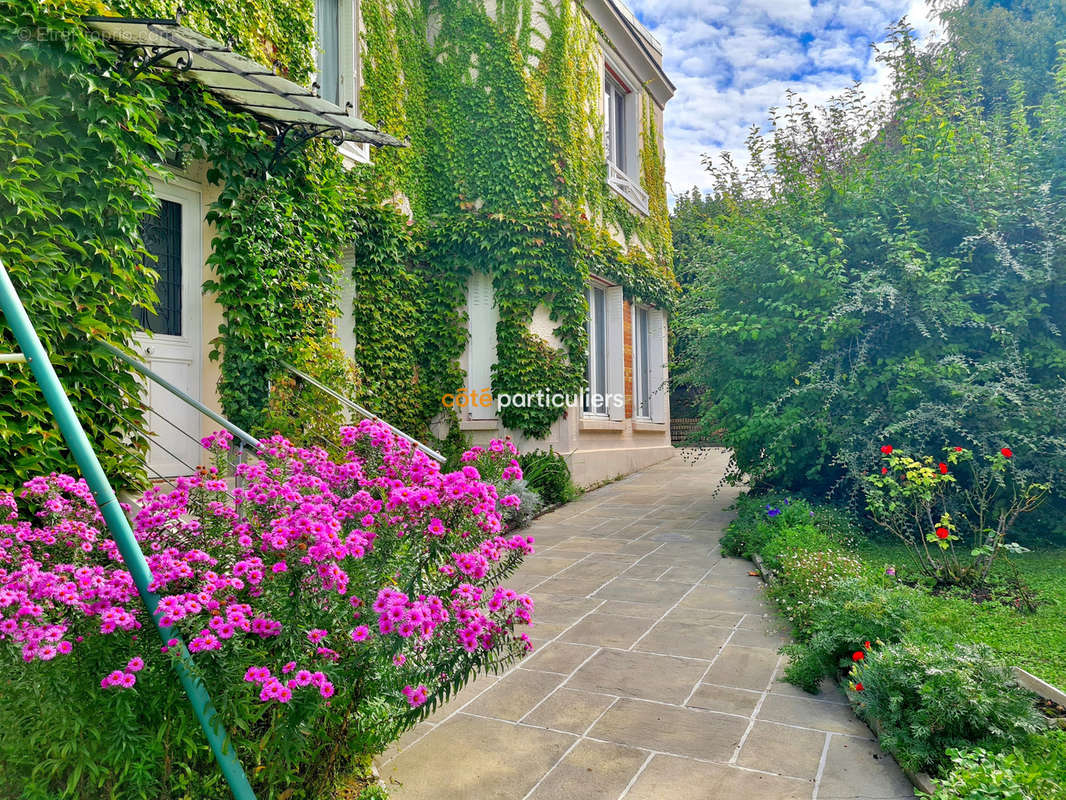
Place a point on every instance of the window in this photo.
(621, 137)
(336, 23)
(328, 62)
(596, 369)
(615, 119)
(482, 316)
(641, 364)
(161, 234)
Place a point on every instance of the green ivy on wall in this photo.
(505, 175)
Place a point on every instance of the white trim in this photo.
(615, 351)
(657, 369)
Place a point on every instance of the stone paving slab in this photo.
(656, 673)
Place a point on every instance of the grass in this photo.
(1036, 641)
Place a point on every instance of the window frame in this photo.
(348, 68)
(623, 173)
(642, 377)
(596, 334)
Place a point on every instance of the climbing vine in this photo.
(505, 175)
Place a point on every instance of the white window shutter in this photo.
(660, 391)
(481, 349)
(615, 353)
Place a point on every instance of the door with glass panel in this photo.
(170, 341)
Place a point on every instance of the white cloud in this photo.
(733, 60)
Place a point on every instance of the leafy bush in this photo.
(519, 516)
(924, 505)
(1034, 770)
(330, 606)
(886, 270)
(838, 620)
(773, 530)
(548, 474)
(927, 699)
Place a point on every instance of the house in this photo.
(516, 249)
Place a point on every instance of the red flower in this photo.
(884, 470)
(866, 645)
(958, 449)
(858, 655)
(1007, 452)
(943, 468)
(942, 532)
(886, 449)
(859, 687)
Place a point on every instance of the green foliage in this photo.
(77, 143)
(1035, 641)
(837, 621)
(548, 474)
(927, 699)
(884, 272)
(1033, 770)
(502, 176)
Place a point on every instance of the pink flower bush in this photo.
(267, 582)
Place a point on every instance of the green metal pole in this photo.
(79, 445)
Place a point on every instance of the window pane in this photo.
(161, 234)
(643, 371)
(620, 127)
(601, 350)
(608, 115)
(327, 27)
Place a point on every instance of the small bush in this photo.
(772, 528)
(927, 700)
(519, 516)
(839, 623)
(1036, 770)
(548, 475)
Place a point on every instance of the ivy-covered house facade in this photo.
(517, 247)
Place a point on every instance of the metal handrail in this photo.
(222, 745)
(344, 401)
(244, 436)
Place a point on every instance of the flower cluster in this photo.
(279, 566)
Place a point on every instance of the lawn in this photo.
(1035, 641)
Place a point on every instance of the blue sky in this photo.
(733, 60)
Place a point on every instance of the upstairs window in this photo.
(621, 137)
(336, 61)
(328, 61)
(615, 118)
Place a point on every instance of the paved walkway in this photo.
(656, 674)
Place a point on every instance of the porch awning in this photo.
(235, 78)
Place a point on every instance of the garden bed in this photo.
(856, 621)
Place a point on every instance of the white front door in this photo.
(171, 344)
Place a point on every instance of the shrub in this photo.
(548, 474)
(924, 505)
(1034, 770)
(330, 606)
(839, 620)
(772, 530)
(927, 699)
(519, 516)
(805, 577)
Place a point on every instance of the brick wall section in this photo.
(627, 356)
